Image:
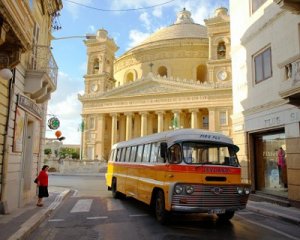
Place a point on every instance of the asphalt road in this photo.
(90, 212)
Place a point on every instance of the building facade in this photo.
(25, 34)
(179, 77)
(265, 43)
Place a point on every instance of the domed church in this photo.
(179, 77)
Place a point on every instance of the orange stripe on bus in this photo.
(204, 169)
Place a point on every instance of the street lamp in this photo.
(6, 74)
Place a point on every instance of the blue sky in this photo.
(128, 28)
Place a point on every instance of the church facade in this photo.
(179, 77)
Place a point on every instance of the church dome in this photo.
(183, 27)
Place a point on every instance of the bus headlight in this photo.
(178, 189)
(240, 190)
(247, 191)
(189, 189)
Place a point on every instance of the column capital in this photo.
(194, 110)
(160, 112)
(128, 113)
(114, 114)
(144, 113)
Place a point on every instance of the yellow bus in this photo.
(184, 170)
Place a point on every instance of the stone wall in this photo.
(75, 166)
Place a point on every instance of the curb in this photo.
(33, 222)
(273, 213)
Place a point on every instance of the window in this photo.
(175, 154)
(255, 4)
(139, 153)
(221, 51)
(201, 73)
(127, 156)
(123, 154)
(146, 154)
(162, 71)
(118, 158)
(263, 66)
(223, 118)
(133, 154)
(129, 77)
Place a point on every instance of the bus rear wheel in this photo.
(114, 191)
(226, 216)
(160, 212)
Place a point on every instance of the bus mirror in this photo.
(163, 149)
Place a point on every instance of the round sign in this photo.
(53, 123)
(58, 133)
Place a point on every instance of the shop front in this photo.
(270, 163)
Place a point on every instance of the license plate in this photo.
(216, 211)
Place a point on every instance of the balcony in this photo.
(290, 88)
(16, 25)
(290, 5)
(41, 74)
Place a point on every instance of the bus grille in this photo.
(211, 197)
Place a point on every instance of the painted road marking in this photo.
(95, 218)
(56, 220)
(82, 205)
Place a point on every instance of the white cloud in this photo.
(92, 29)
(65, 105)
(74, 9)
(137, 37)
(144, 17)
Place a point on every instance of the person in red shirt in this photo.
(42, 182)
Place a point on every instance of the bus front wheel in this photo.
(160, 212)
(226, 216)
(114, 191)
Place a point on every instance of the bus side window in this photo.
(118, 157)
(123, 153)
(154, 152)
(127, 155)
(133, 154)
(146, 153)
(139, 153)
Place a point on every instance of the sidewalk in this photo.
(288, 214)
(19, 223)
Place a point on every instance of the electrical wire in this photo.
(119, 10)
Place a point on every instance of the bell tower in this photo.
(100, 59)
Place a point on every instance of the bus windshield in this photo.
(203, 153)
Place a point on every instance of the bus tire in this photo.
(226, 216)
(114, 191)
(160, 212)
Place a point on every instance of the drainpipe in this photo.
(3, 202)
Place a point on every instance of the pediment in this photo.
(151, 85)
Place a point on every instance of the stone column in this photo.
(100, 136)
(194, 118)
(212, 119)
(128, 125)
(144, 123)
(114, 123)
(160, 121)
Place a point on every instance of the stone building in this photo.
(179, 77)
(25, 34)
(265, 43)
